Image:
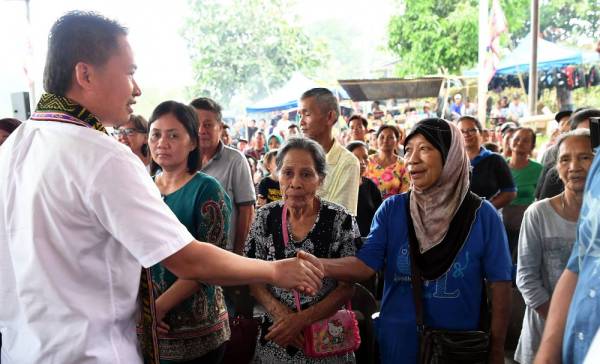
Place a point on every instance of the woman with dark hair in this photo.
(386, 168)
(193, 322)
(526, 173)
(303, 221)
(134, 134)
(369, 197)
(7, 126)
(490, 175)
(453, 237)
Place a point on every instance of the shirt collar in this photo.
(483, 153)
(217, 155)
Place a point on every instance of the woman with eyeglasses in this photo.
(490, 174)
(134, 134)
(192, 317)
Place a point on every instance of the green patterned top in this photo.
(200, 323)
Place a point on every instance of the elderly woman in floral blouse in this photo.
(322, 228)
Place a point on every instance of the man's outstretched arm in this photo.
(213, 265)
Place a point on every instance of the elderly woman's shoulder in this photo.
(268, 208)
(334, 207)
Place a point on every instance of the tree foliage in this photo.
(442, 35)
(246, 47)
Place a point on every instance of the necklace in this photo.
(562, 201)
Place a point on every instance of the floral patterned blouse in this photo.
(390, 180)
(334, 234)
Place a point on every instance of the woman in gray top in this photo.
(546, 238)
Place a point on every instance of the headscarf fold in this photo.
(433, 209)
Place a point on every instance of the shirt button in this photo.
(592, 293)
(580, 336)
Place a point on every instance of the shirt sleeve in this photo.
(255, 244)
(529, 269)
(348, 237)
(128, 205)
(344, 190)
(262, 188)
(373, 251)
(497, 263)
(243, 187)
(503, 176)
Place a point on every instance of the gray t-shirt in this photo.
(231, 169)
(545, 244)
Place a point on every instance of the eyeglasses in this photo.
(128, 132)
(469, 131)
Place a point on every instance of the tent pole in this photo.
(484, 40)
(533, 79)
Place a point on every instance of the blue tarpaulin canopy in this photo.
(286, 98)
(550, 55)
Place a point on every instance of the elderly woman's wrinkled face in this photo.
(298, 178)
(424, 162)
(575, 157)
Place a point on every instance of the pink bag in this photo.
(336, 335)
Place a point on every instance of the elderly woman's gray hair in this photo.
(572, 134)
(316, 151)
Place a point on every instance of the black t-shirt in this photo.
(269, 189)
(551, 185)
(491, 175)
(369, 199)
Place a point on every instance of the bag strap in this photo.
(286, 239)
(415, 273)
(417, 280)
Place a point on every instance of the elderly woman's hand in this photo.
(287, 330)
(303, 273)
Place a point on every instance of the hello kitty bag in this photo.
(336, 335)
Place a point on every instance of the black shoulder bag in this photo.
(439, 346)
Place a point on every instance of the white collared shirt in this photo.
(79, 216)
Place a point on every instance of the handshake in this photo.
(303, 273)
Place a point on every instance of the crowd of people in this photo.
(121, 236)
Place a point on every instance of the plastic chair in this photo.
(364, 305)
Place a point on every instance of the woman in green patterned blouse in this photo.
(192, 317)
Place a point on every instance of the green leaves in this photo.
(441, 34)
(245, 47)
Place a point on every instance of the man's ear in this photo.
(331, 119)
(83, 75)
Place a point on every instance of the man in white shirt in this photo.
(79, 216)
(319, 111)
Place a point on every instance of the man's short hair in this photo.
(579, 116)
(78, 37)
(364, 121)
(326, 100)
(472, 119)
(205, 103)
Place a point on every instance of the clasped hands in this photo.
(303, 273)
